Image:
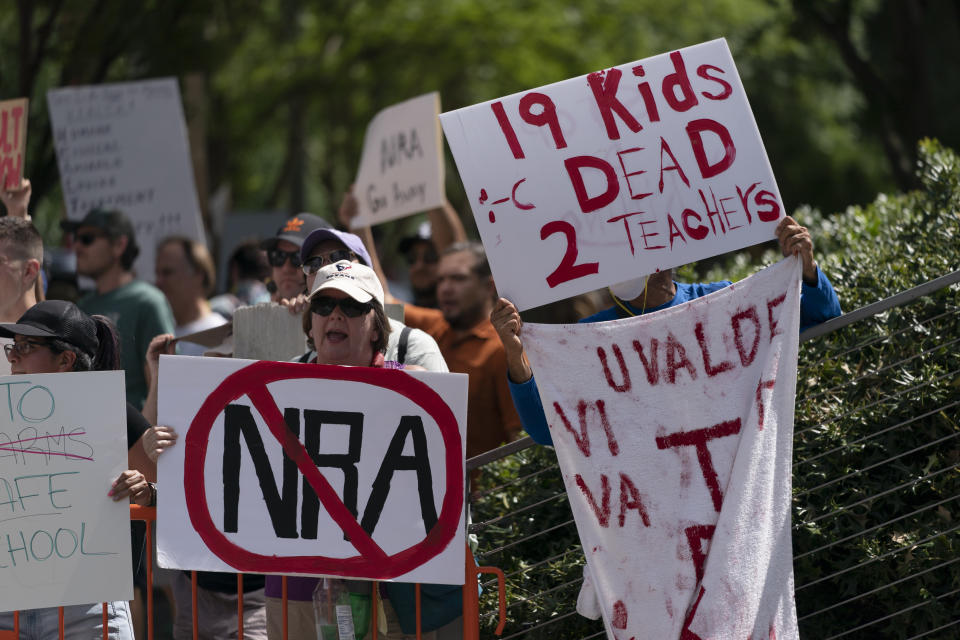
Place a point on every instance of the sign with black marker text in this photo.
(310, 469)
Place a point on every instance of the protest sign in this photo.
(620, 173)
(674, 435)
(63, 442)
(13, 140)
(401, 167)
(312, 470)
(124, 146)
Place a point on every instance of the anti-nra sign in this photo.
(313, 470)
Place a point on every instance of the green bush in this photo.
(877, 407)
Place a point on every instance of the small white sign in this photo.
(401, 169)
(124, 146)
(603, 178)
(307, 469)
(63, 441)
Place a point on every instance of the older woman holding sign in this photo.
(56, 337)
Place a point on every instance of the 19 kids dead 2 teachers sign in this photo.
(314, 470)
(603, 178)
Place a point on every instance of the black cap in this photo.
(56, 319)
(114, 222)
(422, 235)
(296, 230)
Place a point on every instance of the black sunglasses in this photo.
(277, 257)
(324, 306)
(313, 263)
(87, 239)
(429, 256)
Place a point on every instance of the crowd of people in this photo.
(333, 279)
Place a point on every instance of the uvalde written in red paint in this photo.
(315, 470)
(674, 431)
(599, 179)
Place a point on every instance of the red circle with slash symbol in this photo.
(371, 561)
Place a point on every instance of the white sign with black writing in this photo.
(306, 469)
(63, 441)
(617, 174)
(401, 168)
(124, 146)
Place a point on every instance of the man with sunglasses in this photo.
(287, 281)
(106, 247)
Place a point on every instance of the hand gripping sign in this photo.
(619, 173)
(370, 465)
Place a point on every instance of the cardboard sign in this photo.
(617, 174)
(401, 169)
(63, 441)
(124, 146)
(13, 140)
(674, 435)
(312, 470)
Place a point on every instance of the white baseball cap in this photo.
(358, 281)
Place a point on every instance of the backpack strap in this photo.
(305, 357)
(402, 344)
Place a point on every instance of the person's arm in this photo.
(345, 215)
(446, 228)
(523, 388)
(160, 344)
(818, 300)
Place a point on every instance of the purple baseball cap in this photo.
(349, 240)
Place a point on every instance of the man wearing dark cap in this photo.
(283, 253)
(422, 258)
(106, 247)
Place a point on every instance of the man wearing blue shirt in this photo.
(818, 303)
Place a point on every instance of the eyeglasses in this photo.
(22, 349)
(87, 239)
(324, 306)
(313, 263)
(277, 257)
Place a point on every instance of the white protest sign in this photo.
(124, 146)
(674, 434)
(13, 140)
(401, 167)
(63, 441)
(279, 463)
(613, 175)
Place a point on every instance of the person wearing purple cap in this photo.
(287, 283)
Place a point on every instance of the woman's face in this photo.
(340, 339)
(33, 355)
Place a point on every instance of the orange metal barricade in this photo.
(471, 595)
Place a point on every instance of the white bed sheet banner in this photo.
(63, 441)
(124, 146)
(676, 456)
(606, 177)
(386, 449)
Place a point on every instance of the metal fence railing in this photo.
(876, 487)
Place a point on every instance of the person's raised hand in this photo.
(16, 200)
(506, 320)
(161, 344)
(795, 240)
(156, 439)
(296, 305)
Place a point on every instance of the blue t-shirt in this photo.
(817, 304)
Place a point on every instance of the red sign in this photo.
(371, 561)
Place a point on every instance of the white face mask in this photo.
(630, 289)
